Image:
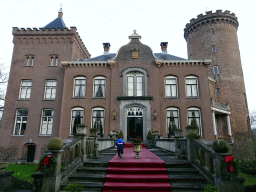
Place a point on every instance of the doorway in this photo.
(134, 123)
(31, 153)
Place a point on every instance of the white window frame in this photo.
(104, 91)
(216, 70)
(92, 117)
(135, 91)
(30, 60)
(51, 89)
(27, 89)
(191, 87)
(73, 118)
(199, 118)
(171, 86)
(80, 85)
(21, 122)
(177, 123)
(49, 124)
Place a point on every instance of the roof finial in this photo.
(60, 13)
(134, 35)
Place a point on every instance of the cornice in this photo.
(172, 63)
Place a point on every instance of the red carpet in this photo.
(129, 174)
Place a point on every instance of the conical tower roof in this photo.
(57, 23)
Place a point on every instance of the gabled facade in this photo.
(55, 85)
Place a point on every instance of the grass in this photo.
(249, 179)
(23, 172)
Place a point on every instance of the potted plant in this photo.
(93, 132)
(178, 132)
(149, 136)
(137, 146)
(121, 134)
(81, 129)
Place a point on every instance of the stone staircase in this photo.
(183, 176)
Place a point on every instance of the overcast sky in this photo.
(112, 21)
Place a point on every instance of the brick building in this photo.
(55, 85)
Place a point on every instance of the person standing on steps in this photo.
(120, 146)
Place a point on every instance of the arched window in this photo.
(194, 118)
(192, 86)
(134, 82)
(77, 117)
(171, 88)
(79, 87)
(172, 120)
(98, 114)
(99, 88)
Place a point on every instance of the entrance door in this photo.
(31, 153)
(134, 123)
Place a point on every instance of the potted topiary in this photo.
(220, 146)
(55, 143)
(149, 136)
(121, 134)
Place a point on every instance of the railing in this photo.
(181, 148)
(167, 144)
(71, 151)
(89, 146)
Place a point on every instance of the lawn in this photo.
(249, 179)
(23, 172)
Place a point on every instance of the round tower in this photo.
(214, 36)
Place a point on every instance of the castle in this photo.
(54, 85)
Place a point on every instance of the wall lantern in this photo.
(114, 114)
(155, 114)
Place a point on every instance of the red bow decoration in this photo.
(228, 160)
(46, 160)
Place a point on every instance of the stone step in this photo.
(87, 177)
(88, 186)
(95, 163)
(180, 171)
(187, 179)
(178, 164)
(92, 170)
(188, 187)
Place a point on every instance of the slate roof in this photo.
(56, 23)
(112, 55)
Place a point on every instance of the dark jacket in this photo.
(120, 144)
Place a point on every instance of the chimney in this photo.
(164, 47)
(106, 47)
(60, 13)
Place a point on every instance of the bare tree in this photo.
(8, 153)
(3, 83)
(252, 115)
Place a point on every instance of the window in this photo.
(194, 118)
(21, 122)
(218, 91)
(191, 86)
(213, 49)
(54, 60)
(135, 84)
(99, 87)
(46, 122)
(216, 70)
(25, 89)
(50, 89)
(29, 60)
(79, 86)
(98, 119)
(172, 119)
(190, 56)
(171, 86)
(76, 119)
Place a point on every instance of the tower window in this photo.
(218, 91)
(54, 60)
(213, 49)
(29, 60)
(216, 70)
(190, 56)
